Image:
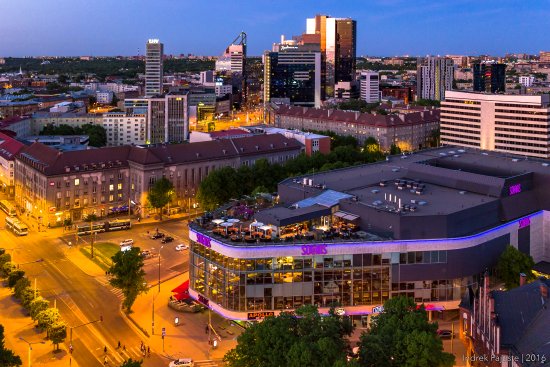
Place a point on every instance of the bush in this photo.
(6, 270)
(4, 258)
(14, 276)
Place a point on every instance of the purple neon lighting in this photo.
(524, 222)
(314, 249)
(376, 243)
(515, 189)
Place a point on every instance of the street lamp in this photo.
(30, 347)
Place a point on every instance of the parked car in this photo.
(167, 239)
(182, 362)
(157, 235)
(445, 334)
(182, 247)
(147, 254)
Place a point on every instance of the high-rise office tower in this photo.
(370, 86)
(292, 74)
(153, 67)
(490, 77)
(434, 76)
(338, 48)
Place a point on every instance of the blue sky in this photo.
(205, 27)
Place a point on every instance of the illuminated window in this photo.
(111, 187)
(76, 181)
(119, 186)
(111, 197)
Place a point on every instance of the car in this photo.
(147, 254)
(445, 334)
(167, 239)
(182, 247)
(157, 235)
(127, 242)
(182, 362)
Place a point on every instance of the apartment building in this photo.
(517, 124)
(54, 185)
(409, 131)
(370, 86)
(9, 147)
(41, 119)
(434, 77)
(125, 129)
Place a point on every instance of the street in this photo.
(82, 298)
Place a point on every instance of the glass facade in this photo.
(345, 50)
(490, 78)
(279, 283)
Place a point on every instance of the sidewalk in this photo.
(17, 324)
(189, 339)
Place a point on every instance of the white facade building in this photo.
(222, 90)
(526, 81)
(370, 86)
(125, 129)
(104, 97)
(153, 67)
(434, 76)
(232, 60)
(517, 124)
(207, 78)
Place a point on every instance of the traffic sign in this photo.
(163, 331)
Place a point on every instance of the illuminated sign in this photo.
(514, 189)
(52, 183)
(340, 311)
(203, 240)
(259, 315)
(378, 309)
(524, 222)
(314, 249)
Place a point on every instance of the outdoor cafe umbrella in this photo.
(233, 220)
(217, 221)
(226, 225)
(255, 224)
(265, 228)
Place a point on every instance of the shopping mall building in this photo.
(425, 225)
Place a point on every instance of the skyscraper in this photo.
(370, 86)
(153, 67)
(292, 74)
(490, 77)
(434, 76)
(338, 48)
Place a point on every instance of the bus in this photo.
(16, 226)
(113, 225)
(8, 208)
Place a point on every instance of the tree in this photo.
(128, 275)
(20, 286)
(401, 335)
(97, 134)
(511, 263)
(131, 363)
(14, 276)
(4, 258)
(7, 357)
(7, 268)
(47, 318)
(36, 306)
(57, 333)
(302, 339)
(160, 194)
(394, 149)
(27, 296)
(371, 145)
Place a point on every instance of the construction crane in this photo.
(240, 40)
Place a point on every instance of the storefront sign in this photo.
(524, 222)
(314, 250)
(259, 315)
(203, 240)
(340, 311)
(378, 309)
(514, 189)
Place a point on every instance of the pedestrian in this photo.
(141, 347)
(124, 347)
(105, 361)
(105, 349)
(119, 340)
(148, 351)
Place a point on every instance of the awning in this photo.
(346, 215)
(183, 287)
(182, 296)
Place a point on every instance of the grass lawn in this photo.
(103, 251)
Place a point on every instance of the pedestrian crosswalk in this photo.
(117, 292)
(118, 356)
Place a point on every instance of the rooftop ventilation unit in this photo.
(485, 153)
(456, 155)
(545, 164)
(443, 154)
(515, 160)
(452, 152)
(395, 169)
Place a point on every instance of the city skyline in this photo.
(105, 28)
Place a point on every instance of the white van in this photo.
(126, 245)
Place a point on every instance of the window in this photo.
(111, 187)
(76, 181)
(67, 184)
(111, 198)
(119, 186)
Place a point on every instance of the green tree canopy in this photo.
(160, 194)
(131, 363)
(97, 133)
(27, 296)
(304, 339)
(20, 286)
(57, 333)
(47, 318)
(14, 276)
(401, 335)
(36, 306)
(128, 275)
(511, 263)
(7, 357)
